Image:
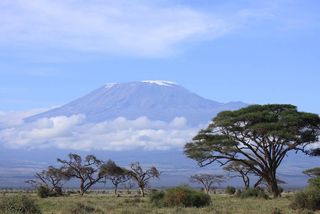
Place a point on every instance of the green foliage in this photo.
(314, 183)
(43, 191)
(157, 198)
(252, 128)
(18, 204)
(306, 199)
(253, 193)
(314, 172)
(230, 190)
(181, 196)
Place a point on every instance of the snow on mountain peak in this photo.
(110, 85)
(160, 82)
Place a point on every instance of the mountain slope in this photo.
(157, 100)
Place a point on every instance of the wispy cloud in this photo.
(74, 132)
(136, 27)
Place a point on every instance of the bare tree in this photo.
(86, 171)
(142, 177)
(114, 173)
(207, 180)
(240, 170)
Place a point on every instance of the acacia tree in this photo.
(259, 136)
(52, 178)
(86, 171)
(240, 170)
(314, 172)
(142, 177)
(114, 173)
(207, 180)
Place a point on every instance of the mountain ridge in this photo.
(157, 100)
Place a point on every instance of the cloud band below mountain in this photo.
(75, 133)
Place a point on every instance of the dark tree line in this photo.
(89, 171)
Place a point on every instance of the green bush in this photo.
(253, 193)
(18, 204)
(314, 183)
(43, 191)
(157, 197)
(181, 196)
(307, 199)
(230, 190)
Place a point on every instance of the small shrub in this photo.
(57, 192)
(19, 204)
(253, 192)
(230, 190)
(180, 197)
(157, 197)
(307, 199)
(43, 191)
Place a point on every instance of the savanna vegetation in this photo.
(248, 143)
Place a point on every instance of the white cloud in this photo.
(136, 27)
(14, 118)
(75, 133)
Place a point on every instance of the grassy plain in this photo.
(109, 204)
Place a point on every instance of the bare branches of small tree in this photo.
(52, 178)
(239, 169)
(207, 181)
(87, 170)
(142, 177)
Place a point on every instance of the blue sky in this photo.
(250, 51)
(52, 52)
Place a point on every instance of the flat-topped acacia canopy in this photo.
(259, 136)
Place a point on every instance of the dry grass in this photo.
(106, 203)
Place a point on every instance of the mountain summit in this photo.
(157, 100)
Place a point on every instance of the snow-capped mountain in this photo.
(157, 100)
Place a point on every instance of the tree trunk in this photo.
(82, 190)
(258, 182)
(274, 188)
(207, 190)
(115, 189)
(142, 191)
(246, 181)
(272, 182)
